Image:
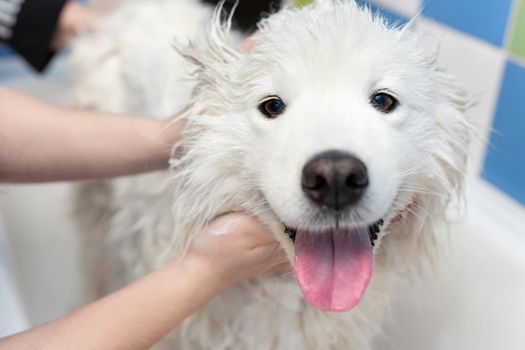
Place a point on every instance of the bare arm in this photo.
(233, 248)
(41, 142)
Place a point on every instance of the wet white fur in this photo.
(325, 61)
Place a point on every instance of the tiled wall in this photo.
(500, 24)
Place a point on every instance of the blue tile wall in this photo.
(485, 19)
(5, 51)
(391, 17)
(505, 161)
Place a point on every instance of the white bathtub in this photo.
(13, 317)
(477, 302)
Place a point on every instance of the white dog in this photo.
(338, 131)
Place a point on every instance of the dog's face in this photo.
(338, 126)
(346, 119)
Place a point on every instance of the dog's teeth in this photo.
(373, 230)
(291, 232)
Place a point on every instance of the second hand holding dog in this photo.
(231, 249)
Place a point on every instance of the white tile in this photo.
(480, 66)
(406, 8)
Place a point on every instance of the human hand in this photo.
(249, 42)
(238, 247)
(74, 17)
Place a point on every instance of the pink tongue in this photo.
(333, 268)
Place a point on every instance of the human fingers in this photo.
(249, 43)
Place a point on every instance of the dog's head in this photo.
(342, 125)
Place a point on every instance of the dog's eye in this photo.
(272, 106)
(384, 102)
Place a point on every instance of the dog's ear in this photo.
(212, 55)
(454, 131)
(451, 89)
(453, 100)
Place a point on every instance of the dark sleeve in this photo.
(31, 28)
(248, 12)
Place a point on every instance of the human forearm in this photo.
(41, 142)
(132, 318)
(231, 249)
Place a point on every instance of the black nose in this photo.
(334, 179)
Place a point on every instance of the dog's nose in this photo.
(334, 179)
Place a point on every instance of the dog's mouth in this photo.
(334, 266)
(373, 231)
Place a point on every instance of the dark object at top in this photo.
(29, 26)
(248, 12)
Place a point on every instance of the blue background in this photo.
(505, 160)
(485, 19)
